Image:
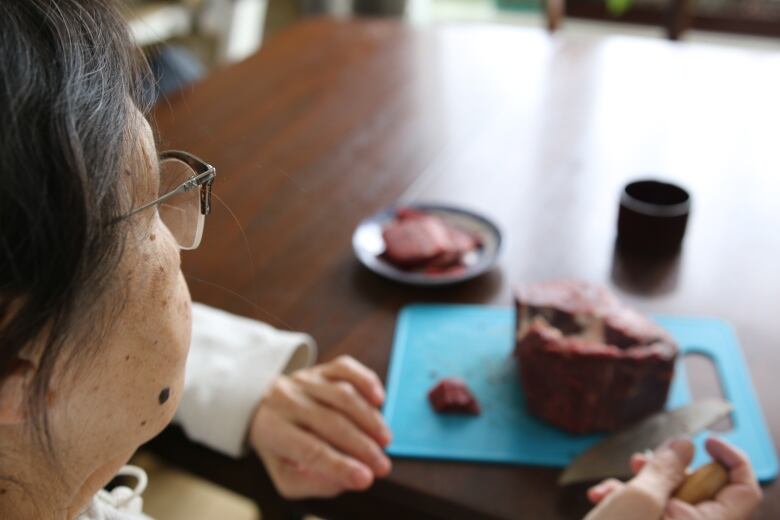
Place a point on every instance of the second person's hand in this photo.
(658, 477)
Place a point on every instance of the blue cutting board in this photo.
(475, 343)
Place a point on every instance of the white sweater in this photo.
(232, 360)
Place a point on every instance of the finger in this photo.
(679, 510)
(737, 500)
(628, 502)
(331, 426)
(741, 496)
(733, 501)
(287, 440)
(638, 461)
(293, 483)
(337, 430)
(735, 460)
(600, 491)
(345, 368)
(343, 397)
(665, 470)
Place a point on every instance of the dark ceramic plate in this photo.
(368, 245)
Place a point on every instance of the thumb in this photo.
(665, 470)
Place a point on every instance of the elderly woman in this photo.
(96, 318)
(95, 315)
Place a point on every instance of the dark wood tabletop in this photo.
(333, 121)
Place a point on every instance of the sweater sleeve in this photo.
(231, 362)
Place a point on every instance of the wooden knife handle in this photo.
(703, 484)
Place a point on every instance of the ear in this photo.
(13, 393)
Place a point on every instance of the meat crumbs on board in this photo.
(452, 395)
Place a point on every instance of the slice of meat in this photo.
(464, 241)
(418, 240)
(408, 213)
(413, 241)
(451, 395)
(460, 244)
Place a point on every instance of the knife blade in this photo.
(609, 458)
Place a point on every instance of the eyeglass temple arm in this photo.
(198, 165)
(187, 185)
(180, 189)
(203, 170)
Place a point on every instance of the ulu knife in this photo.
(609, 458)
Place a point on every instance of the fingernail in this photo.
(386, 435)
(383, 463)
(680, 446)
(361, 476)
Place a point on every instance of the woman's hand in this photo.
(319, 431)
(647, 494)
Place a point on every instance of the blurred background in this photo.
(186, 39)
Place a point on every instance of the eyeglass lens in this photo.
(180, 213)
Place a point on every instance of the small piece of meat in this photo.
(451, 395)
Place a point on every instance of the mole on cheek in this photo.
(152, 237)
(164, 395)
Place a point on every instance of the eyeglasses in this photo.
(184, 197)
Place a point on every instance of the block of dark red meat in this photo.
(587, 362)
(451, 395)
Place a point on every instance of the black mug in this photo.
(653, 217)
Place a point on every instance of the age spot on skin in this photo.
(143, 423)
(152, 237)
(127, 358)
(164, 395)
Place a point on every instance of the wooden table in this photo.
(332, 121)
